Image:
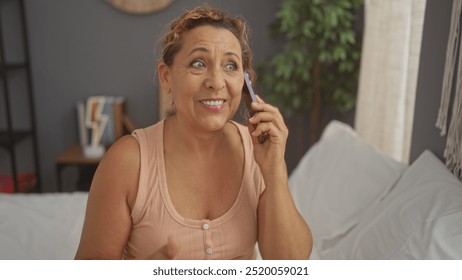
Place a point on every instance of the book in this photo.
(101, 120)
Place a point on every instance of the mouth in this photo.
(216, 103)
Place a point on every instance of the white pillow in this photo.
(336, 180)
(421, 218)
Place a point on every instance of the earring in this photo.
(171, 99)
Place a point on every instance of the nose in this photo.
(215, 80)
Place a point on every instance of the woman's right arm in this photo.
(112, 193)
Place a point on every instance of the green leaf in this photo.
(308, 29)
(310, 32)
(331, 20)
(339, 53)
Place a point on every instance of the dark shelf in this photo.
(12, 66)
(17, 136)
(9, 136)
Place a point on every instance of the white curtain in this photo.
(388, 75)
(452, 125)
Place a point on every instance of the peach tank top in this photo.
(154, 218)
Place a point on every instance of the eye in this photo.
(231, 66)
(198, 63)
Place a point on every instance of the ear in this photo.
(164, 77)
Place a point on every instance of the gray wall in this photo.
(86, 47)
(83, 48)
(432, 59)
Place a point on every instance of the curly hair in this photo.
(171, 42)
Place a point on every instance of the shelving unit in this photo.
(17, 114)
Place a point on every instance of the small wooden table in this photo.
(73, 155)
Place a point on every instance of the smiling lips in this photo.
(213, 104)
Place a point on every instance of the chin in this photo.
(215, 124)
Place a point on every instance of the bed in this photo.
(41, 226)
(359, 204)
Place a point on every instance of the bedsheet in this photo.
(41, 226)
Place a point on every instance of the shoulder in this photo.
(119, 168)
(124, 151)
(149, 130)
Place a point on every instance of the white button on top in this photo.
(205, 226)
(209, 250)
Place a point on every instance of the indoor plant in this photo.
(316, 70)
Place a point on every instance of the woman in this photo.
(198, 185)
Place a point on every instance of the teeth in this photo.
(212, 102)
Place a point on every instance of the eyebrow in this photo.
(201, 49)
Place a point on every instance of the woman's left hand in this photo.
(269, 154)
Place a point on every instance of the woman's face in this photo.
(206, 78)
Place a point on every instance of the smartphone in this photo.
(249, 96)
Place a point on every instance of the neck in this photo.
(187, 140)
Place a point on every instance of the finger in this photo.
(173, 248)
(264, 116)
(255, 139)
(167, 252)
(267, 113)
(261, 128)
(160, 254)
(259, 99)
(265, 107)
(267, 129)
(261, 117)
